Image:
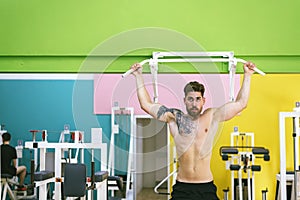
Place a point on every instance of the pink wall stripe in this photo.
(110, 88)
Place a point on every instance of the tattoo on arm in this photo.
(184, 123)
(163, 109)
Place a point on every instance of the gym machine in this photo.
(283, 176)
(240, 158)
(97, 181)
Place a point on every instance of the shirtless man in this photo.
(194, 132)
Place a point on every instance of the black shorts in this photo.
(11, 170)
(194, 191)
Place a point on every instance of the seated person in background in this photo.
(9, 159)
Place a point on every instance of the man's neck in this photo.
(194, 118)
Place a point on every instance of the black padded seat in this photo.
(43, 175)
(257, 150)
(101, 176)
(229, 151)
(6, 176)
(75, 180)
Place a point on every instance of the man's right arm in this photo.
(156, 110)
(14, 161)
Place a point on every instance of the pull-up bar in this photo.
(192, 57)
(193, 60)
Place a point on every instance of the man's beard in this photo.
(194, 112)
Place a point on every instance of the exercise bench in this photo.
(6, 187)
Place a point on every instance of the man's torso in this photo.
(194, 141)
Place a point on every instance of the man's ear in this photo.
(204, 99)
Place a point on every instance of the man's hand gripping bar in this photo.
(255, 69)
(131, 70)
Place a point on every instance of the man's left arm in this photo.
(231, 109)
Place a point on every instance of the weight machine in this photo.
(295, 115)
(97, 181)
(240, 157)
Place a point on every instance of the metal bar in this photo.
(192, 54)
(162, 182)
(130, 152)
(282, 142)
(295, 155)
(192, 60)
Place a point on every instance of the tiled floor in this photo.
(149, 194)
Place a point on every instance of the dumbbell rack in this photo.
(242, 153)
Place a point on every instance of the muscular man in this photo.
(8, 161)
(194, 132)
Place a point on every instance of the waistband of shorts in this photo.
(187, 183)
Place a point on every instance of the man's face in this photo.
(194, 103)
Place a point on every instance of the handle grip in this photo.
(131, 70)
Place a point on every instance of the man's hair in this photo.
(6, 137)
(194, 86)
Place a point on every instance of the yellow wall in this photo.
(270, 95)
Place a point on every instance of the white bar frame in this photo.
(159, 57)
(223, 56)
(192, 54)
(282, 143)
(111, 158)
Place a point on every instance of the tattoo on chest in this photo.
(184, 123)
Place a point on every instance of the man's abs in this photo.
(194, 170)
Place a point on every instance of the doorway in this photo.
(151, 157)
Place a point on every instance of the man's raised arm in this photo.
(153, 109)
(231, 109)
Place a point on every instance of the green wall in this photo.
(108, 36)
(57, 36)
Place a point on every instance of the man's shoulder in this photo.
(208, 110)
(172, 110)
(7, 146)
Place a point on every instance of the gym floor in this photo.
(148, 193)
